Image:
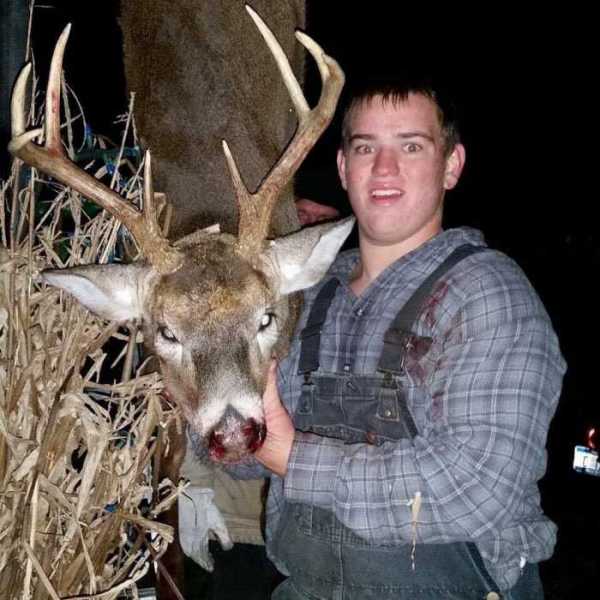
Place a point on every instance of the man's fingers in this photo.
(310, 212)
(272, 374)
(273, 368)
(271, 395)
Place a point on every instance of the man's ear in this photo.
(113, 292)
(454, 166)
(341, 166)
(302, 258)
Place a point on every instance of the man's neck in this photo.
(374, 259)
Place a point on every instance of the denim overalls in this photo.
(325, 559)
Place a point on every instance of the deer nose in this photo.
(234, 438)
(254, 433)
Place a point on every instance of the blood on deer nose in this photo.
(234, 437)
(215, 446)
(255, 434)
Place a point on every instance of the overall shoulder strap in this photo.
(399, 332)
(310, 336)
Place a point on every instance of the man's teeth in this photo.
(385, 192)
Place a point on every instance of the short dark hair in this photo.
(399, 91)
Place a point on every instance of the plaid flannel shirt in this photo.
(482, 398)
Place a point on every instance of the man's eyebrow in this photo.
(402, 135)
(361, 136)
(412, 134)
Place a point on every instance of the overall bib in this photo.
(326, 560)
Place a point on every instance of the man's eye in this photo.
(167, 334)
(363, 149)
(266, 321)
(411, 147)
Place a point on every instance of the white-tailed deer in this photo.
(212, 306)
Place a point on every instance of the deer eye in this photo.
(266, 321)
(167, 334)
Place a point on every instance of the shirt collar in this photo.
(416, 264)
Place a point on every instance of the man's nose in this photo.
(386, 162)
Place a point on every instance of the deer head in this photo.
(213, 307)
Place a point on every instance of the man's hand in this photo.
(310, 212)
(275, 451)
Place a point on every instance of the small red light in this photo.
(591, 441)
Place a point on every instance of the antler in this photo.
(256, 209)
(52, 160)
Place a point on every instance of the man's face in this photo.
(396, 171)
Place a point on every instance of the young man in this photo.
(418, 392)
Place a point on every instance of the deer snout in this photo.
(234, 437)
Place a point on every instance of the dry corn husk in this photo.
(75, 451)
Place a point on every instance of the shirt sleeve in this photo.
(494, 391)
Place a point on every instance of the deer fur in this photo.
(203, 75)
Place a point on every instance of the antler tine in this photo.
(241, 192)
(291, 83)
(149, 203)
(256, 209)
(52, 160)
(52, 120)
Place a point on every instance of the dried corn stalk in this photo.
(76, 503)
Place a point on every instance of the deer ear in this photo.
(302, 258)
(113, 292)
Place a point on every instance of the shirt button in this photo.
(346, 367)
(387, 413)
(360, 312)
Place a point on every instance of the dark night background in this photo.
(526, 91)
